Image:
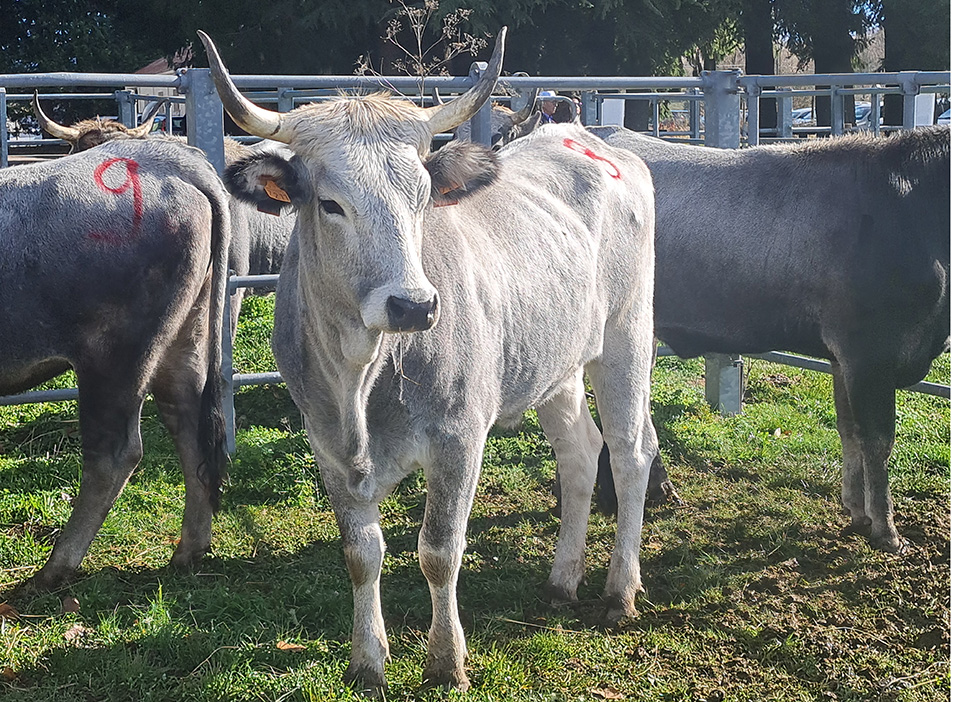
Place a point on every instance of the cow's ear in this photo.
(459, 169)
(270, 181)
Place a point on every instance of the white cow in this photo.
(425, 297)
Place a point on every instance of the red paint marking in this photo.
(608, 165)
(132, 180)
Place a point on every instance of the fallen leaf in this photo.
(607, 693)
(284, 646)
(69, 604)
(8, 612)
(8, 674)
(74, 632)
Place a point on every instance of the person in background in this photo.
(548, 106)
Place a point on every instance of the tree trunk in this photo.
(758, 50)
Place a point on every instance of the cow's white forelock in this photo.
(358, 120)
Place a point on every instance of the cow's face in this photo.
(361, 201)
(362, 180)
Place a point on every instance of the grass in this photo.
(753, 589)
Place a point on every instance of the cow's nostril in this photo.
(406, 315)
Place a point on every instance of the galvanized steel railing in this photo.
(722, 108)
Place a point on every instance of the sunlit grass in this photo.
(753, 589)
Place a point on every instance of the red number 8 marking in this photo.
(132, 180)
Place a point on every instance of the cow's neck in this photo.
(349, 358)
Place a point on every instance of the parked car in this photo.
(802, 117)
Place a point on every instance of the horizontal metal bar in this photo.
(814, 364)
(33, 396)
(252, 281)
(241, 379)
(63, 79)
(923, 77)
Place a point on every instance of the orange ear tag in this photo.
(274, 191)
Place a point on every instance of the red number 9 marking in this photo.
(132, 180)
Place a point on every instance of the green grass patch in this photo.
(753, 588)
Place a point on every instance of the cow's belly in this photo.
(18, 377)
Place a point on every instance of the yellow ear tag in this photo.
(274, 191)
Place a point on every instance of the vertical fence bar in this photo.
(126, 108)
(753, 114)
(4, 139)
(723, 374)
(785, 113)
(284, 100)
(836, 110)
(695, 131)
(910, 84)
(204, 114)
(480, 130)
(590, 106)
(875, 113)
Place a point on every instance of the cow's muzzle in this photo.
(407, 316)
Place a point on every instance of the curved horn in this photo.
(146, 124)
(52, 128)
(435, 94)
(443, 118)
(523, 114)
(253, 119)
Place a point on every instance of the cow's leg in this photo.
(110, 431)
(866, 420)
(576, 441)
(177, 389)
(451, 485)
(363, 550)
(621, 381)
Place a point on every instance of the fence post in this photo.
(910, 84)
(723, 373)
(722, 109)
(204, 114)
(480, 131)
(590, 108)
(836, 110)
(4, 143)
(785, 113)
(284, 100)
(126, 108)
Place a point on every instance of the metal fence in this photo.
(721, 109)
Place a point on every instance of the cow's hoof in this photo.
(890, 544)
(557, 595)
(446, 677)
(619, 611)
(365, 679)
(44, 580)
(187, 559)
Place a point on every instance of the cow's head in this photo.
(92, 132)
(362, 179)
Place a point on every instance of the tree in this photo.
(829, 33)
(916, 38)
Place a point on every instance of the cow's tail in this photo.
(212, 470)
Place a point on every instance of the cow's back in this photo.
(97, 247)
(782, 247)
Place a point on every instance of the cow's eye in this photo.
(331, 207)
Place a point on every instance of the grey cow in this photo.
(258, 239)
(836, 248)
(113, 262)
(425, 297)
